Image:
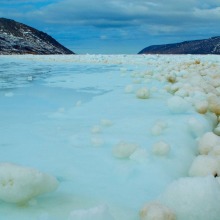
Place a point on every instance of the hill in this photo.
(205, 46)
(18, 38)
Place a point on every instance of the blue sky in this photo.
(117, 26)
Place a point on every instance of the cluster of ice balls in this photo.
(20, 184)
(208, 160)
(96, 130)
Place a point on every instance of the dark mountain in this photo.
(206, 46)
(17, 38)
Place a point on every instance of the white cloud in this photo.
(104, 13)
(120, 19)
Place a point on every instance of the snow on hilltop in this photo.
(17, 38)
(206, 46)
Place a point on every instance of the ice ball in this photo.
(204, 165)
(143, 93)
(124, 149)
(156, 211)
(193, 198)
(207, 142)
(19, 184)
(177, 104)
(161, 148)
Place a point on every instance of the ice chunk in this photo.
(139, 155)
(97, 141)
(129, 89)
(217, 130)
(124, 149)
(96, 129)
(204, 165)
(106, 122)
(143, 93)
(161, 148)
(156, 211)
(207, 142)
(158, 127)
(19, 184)
(201, 106)
(196, 127)
(100, 212)
(193, 198)
(177, 104)
(214, 104)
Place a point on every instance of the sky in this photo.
(117, 26)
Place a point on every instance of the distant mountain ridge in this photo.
(205, 46)
(18, 38)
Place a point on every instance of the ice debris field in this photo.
(110, 137)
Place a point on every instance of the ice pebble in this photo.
(96, 129)
(100, 212)
(207, 142)
(204, 165)
(217, 130)
(214, 104)
(106, 122)
(193, 198)
(139, 155)
(161, 148)
(196, 127)
(124, 149)
(97, 141)
(129, 89)
(201, 106)
(177, 104)
(143, 93)
(215, 151)
(156, 211)
(158, 128)
(19, 184)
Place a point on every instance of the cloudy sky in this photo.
(117, 26)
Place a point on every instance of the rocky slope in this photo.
(17, 38)
(206, 46)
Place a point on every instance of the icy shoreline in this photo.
(117, 131)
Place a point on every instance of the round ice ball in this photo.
(214, 104)
(193, 198)
(215, 151)
(156, 211)
(96, 129)
(129, 89)
(143, 93)
(207, 142)
(177, 104)
(161, 148)
(124, 149)
(196, 127)
(201, 106)
(19, 184)
(217, 130)
(204, 165)
(158, 127)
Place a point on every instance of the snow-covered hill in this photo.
(17, 38)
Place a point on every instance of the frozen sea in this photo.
(116, 131)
